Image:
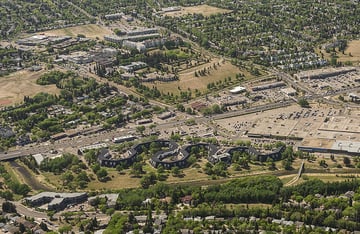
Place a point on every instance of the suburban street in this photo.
(28, 212)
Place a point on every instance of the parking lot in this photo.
(316, 122)
(333, 83)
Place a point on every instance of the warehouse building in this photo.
(323, 73)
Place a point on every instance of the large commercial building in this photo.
(268, 86)
(351, 148)
(135, 35)
(83, 149)
(114, 16)
(171, 9)
(144, 31)
(56, 201)
(323, 73)
(124, 139)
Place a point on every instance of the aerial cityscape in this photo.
(165, 116)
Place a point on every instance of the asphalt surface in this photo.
(25, 211)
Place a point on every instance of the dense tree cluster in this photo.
(254, 29)
(15, 16)
(33, 115)
(59, 164)
(287, 204)
(15, 186)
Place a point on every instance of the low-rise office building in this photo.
(56, 201)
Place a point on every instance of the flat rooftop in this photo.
(318, 143)
(323, 72)
(349, 146)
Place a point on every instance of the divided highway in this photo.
(103, 136)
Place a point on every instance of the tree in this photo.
(17, 188)
(176, 171)
(51, 214)
(216, 109)
(22, 228)
(67, 177)
(43, 226)
(90, 156)
(220, 169)
(102, 174)
(65, 229)
(208, 168)
(341, 98)
(148, 228)
(120, 167)
(160, 169)
(8, 207)
(287, 164)
(136, 169)
(180, 107)
(83, 177)
(8, 195)
(146, 181)
(303, 103)
(189, 111)
(347, 161)
(96, 167)
(140, 129)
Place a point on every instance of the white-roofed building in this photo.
(38, 158)
(237, 89)
(91, 147)
(289, 91)
(347, 146)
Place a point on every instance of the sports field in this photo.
(205, 10)
(90, 31)
(188, 80)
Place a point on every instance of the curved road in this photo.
(25, 211)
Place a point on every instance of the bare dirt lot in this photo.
(89, 30)
(205, 10)
(15, 86)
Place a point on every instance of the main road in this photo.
(78, 142)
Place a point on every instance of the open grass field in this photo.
(351, 54)
(118, 181)
(188, 80)
(353, 49)
(89, 30)
(15, 86)
(205, 10)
